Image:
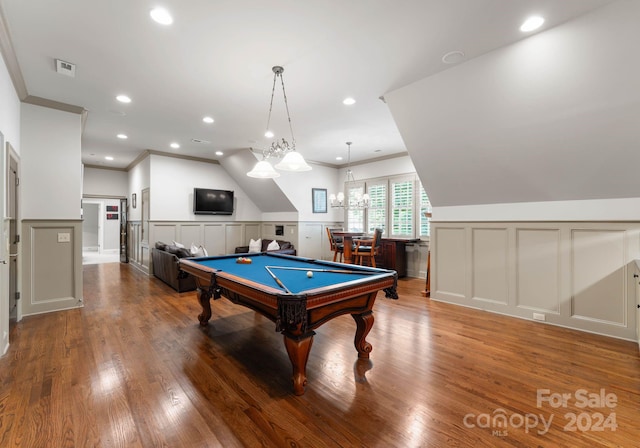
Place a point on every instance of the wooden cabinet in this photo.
(393, 255)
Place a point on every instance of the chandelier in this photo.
(358, 200)
(280, 148)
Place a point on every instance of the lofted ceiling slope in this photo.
(553, 117)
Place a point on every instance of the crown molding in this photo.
(367, 161)
(101, 167)
(44, 102)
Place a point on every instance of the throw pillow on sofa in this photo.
(198, 251)
(255, 246)
(180, 252)
(273, 245)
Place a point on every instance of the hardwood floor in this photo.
(134, 369)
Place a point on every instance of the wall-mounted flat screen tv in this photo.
(212, 202)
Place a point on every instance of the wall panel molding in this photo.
(573, 274)
(538, 269)
(217, 237)
(52, 266)
(490, 259)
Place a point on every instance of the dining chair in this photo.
(368, 248)
(336, 246)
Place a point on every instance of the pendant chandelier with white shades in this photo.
(358, 200)
(292, 160)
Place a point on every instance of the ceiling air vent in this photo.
(197, 140)
(65, 68)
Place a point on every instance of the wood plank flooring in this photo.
(134, 369)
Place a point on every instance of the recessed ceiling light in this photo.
(339, 158)
(161, 16)
(208, 120)
(122, 136)
(349, 101)
(532, 23)
(453, 57)
(174, 145)
(123, 98)
(108, 158)
(219, 153)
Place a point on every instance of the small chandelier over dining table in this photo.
(356, 201)
(292, 160)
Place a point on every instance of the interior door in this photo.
(638, 319)
(124, 249)
(14, 237)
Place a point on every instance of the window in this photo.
(377, 211)
(397, 206)
(425, 213)
(355, 217)
(402, 208)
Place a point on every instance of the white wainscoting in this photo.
(218, 238)
(572, 274)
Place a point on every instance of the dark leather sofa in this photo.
(165, 266)
(285, 248)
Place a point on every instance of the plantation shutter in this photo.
(377, 211)
(425, 207)
(402, 215)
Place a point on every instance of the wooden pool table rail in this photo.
(295, 315)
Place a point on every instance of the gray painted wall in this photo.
(552, 117)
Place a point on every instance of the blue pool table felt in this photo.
(296, 281)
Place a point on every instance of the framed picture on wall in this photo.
(319, 200)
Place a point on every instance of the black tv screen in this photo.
(212, 202)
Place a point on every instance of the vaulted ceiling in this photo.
(216, 59)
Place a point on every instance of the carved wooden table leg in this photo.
(204, 297)
(364, 323)
(298, 348)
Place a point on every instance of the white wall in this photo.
(298, 186)
(9, 110)
(139, 179)
(111, 232)
(172, 184)
(10, 128)
(50, 158)
(99, 182)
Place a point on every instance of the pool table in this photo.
(298, 294)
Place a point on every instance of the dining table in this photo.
(347, 240)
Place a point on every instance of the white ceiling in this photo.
(216, 60)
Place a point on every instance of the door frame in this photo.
(99, 199)
(13, 159)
